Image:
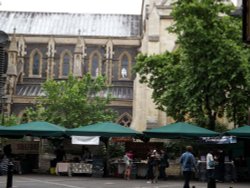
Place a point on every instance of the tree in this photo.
(208, 75)
(74, 102)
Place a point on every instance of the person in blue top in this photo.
(188, 164)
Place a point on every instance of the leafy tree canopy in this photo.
(208, 75)
(73, 102)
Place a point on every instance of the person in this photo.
(188, 164)
(210, 165)
(149, 166)
(163, 164)
(128, 157)
(156, 164)
(86, 154)
(153, 166)
(221, 166)
(7, 157)
(60, 154)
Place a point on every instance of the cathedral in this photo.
(45, 45)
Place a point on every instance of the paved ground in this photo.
(50, 181)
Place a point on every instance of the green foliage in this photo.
(10, 120)
(116, 149)
(208, 76)
(74, 102)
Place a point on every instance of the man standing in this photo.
(210, 164)
(188, 164)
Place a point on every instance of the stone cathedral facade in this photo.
(47, 45)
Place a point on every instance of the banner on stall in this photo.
(219, 140)
(85, 140)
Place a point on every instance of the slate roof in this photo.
(35, 90)
(47, 23)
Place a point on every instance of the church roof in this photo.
(35, 90)
(47, 23)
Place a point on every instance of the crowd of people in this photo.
(215, 167)
(158, 162)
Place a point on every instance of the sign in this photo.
(122, 139)
(85, 140)
(219, 140)
(24, 147)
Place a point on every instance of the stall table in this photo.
(73, 168)
(139, 169)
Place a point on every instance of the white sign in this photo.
(85, 140)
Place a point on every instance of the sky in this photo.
(76, 6)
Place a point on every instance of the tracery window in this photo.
(124, 66)
(65, 64)
(35, 63)
(125, 119)
(95, 64)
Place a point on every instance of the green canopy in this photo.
(179, 130)
(38, 128)
(243, 131)
(105, 129)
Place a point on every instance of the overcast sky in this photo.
(77, 6)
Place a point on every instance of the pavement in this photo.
(53, 181)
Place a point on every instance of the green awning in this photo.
(105, 129)
(180, 130)
(38, 128)
(243, 131)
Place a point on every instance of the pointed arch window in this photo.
(125, 66)
(35, 63)
(95, 66)
(65, 64)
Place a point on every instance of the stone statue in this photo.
(124, 73)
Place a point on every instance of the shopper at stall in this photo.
(210, 164)
(60, 154)
(86, 154)
(188, 165)
(153, 166)
(220, 168)
(163, 164)
(128, 158)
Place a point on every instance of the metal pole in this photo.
(9, 174)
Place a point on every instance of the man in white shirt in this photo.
(210, 163)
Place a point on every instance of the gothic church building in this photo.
(45, 45)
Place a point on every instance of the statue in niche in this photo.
(96, 72)
(124, 73)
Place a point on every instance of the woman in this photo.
(128, 157)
